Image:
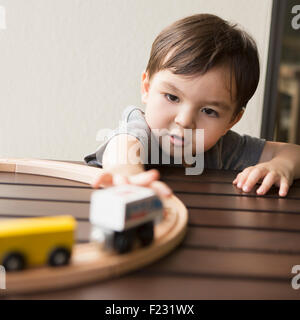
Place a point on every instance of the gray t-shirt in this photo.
(231, 152)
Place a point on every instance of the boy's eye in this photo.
(171, 97)
(210, 112)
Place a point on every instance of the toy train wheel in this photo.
(59, 257)
(145, 233)
(14, 261)
(123, 241)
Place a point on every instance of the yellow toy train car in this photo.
(36, 241)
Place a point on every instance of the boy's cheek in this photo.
(156, 119)
(149, 119)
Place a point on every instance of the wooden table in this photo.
(238, 245)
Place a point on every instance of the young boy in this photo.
(201, 74)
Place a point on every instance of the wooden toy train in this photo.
(118, 215)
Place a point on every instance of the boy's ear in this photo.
(145, 87)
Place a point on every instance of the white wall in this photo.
(69, 67)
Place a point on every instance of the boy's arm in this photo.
(279, 164)
(122, 155)
(122, 164)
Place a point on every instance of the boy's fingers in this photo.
(161, 189)
(236, 180)
(242, 177)
(284, 187)
(144, 178)
(118, 179)
(252, 179)
(267, 183)
(105, 179)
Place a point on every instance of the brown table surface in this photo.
(238, 245)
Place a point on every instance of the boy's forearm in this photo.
(289, 154)
(122, 156)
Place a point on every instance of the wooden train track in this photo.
(89, 262)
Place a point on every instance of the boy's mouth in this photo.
(177, 140)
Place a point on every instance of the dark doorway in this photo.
(281, 116)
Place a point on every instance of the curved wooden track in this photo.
(89, 263)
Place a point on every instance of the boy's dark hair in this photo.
(195, 44)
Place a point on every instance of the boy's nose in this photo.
(185, 118)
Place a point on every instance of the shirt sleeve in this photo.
(133, 123)
(234, 152)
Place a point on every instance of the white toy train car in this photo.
(121, 214)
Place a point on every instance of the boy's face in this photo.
(177, 102)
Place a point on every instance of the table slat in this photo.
(239, 203)
(144, 286)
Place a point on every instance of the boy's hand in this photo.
(145, 178)
(272, 172)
